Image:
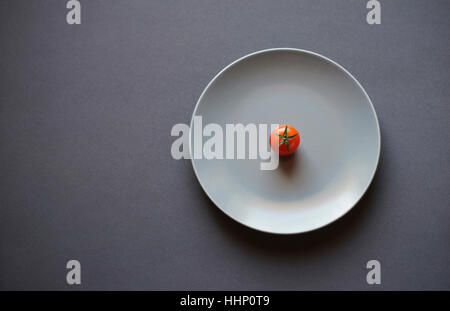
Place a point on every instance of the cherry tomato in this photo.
(287, 137)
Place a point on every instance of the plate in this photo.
(339, 148)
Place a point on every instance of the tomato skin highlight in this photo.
(284, 140)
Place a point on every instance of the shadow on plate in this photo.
(288, 164)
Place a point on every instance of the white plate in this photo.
(338, 153)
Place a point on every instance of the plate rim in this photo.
(297, 50)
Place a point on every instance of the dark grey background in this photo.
(85, 165)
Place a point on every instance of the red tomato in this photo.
(287, 137)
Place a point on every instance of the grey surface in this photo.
(85, 165)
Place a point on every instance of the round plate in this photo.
(339, 148)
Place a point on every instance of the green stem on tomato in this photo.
(285, 139)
